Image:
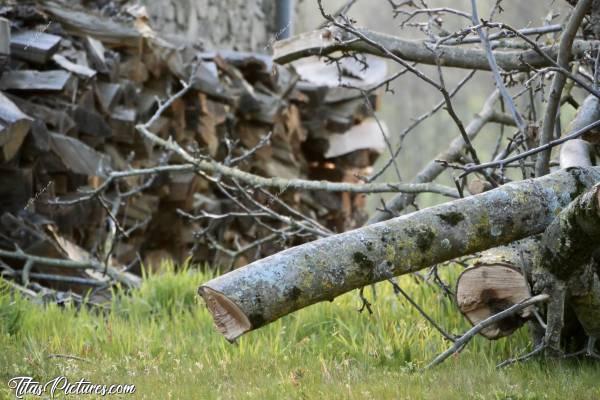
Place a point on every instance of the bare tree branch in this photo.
(564, 55)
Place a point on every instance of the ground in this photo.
(161, 339)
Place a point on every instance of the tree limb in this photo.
(542, 166)
(268, 289)
(328, 40)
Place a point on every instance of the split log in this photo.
(268, 289)
(83, 24)
(51, 81)
(34, 46)
(79, 70)
(14, 125)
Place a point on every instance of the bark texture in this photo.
(268, 289)
(329, 40)
(577, 152)
(566, 270)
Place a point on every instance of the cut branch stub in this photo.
(268, 289)
(485, 290)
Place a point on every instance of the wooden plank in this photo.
(29, 80)
(34, 46)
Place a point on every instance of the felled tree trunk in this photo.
(566, 270)
(268, 289)
(496, 279)
(560, 263)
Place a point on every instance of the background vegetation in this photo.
(162, 340)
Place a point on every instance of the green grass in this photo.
(162, 340)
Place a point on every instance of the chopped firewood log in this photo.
(59, 120)
(34, 46)
(35, 81)
(38, 141)
(91, 123)
(108, 95)
(206, 80)
(14, 126)
(79, 70)
(16, 187)
(86, 24)
(78, 157)
(366, 135)
(122, 123)
(95, 50)
(4, 43)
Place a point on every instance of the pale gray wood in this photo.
(34, 46)
(30, 80)
(268, 289)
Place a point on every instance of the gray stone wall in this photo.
(216, 24)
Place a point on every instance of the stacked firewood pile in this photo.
(75, 84)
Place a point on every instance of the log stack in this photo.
(76, 81)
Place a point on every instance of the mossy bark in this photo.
(566, 268)
(268, 289)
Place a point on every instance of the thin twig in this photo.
(564, 55)
(464, 339)
(496, 72)
(533, 151)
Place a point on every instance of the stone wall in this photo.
(222, 24)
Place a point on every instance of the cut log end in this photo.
(485, 290)
(227, 316)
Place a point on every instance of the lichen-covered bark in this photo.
(569, 242)
(329, 40)
(565, 268)
(324, 269)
